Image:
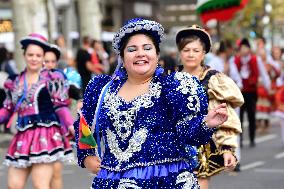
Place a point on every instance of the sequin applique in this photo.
(135, 143)
(188, 179)
(188, 85)
(58, 87)
(127, 183)
(29, 100)
(124, 120)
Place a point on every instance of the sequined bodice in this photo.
(146, 131)
(38, 104)
(123, 114)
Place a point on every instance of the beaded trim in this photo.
(38, 124)
(36, 97)
(139, 25)
(23, 163)
(132, 165)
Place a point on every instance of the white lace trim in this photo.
(22, 163)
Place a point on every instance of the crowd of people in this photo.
(156, 122)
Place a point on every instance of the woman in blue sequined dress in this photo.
(143, 118)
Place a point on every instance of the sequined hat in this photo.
(36, 39)
(137, 25)
(55, 49)
(198, 31)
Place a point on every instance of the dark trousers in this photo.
(250, 107)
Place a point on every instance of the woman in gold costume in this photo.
(219, 154)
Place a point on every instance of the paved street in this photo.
(262, 167)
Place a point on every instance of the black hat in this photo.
(55, 49)
(36, 39)
(198, 31)
(245, 42)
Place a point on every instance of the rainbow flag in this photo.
(86, 139)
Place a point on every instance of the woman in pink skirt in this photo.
(40, 99)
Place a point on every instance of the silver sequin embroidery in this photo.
(188, 179)
(189, 85)
(135, 143)
(124, 120)
(127, 183)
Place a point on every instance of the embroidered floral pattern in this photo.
(135, 143)
(58, 87)
(29, 100)
(189, 85)
(127, 183)
(123, 121)
(188, 179)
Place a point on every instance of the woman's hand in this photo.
(93, 164)
(229, 161)
(217, 116)
(79, 105)
(71, 130)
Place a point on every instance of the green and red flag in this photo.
(221, 10)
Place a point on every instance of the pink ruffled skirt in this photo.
(38, 145)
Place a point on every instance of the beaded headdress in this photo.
(136, 25)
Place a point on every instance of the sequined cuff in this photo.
(204, 125)
(82, 158)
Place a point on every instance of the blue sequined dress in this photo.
(145, 140)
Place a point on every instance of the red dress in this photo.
(265, 101)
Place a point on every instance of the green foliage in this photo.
(247, 20)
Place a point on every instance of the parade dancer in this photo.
(39, 97)
(52, 55)
(143, 118)
(218, 154)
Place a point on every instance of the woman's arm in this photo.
(91, 97)
(188, 103)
